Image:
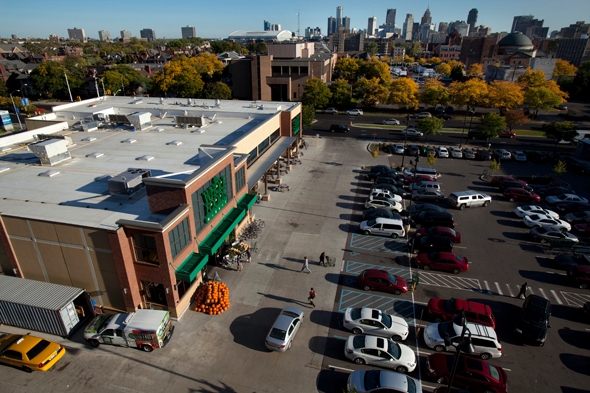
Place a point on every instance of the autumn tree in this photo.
(408, 59)
(564, 68)
(348, 69)
(444, 69)
(340, 93)
(316, 94)
(422, 61)
(475, 70)
(179, 77)
(561, 131)
(435, 61)
(515, 118)
(371, 91)
(49, 79)
(560, 168)
(434, 93)
(377, 69)
(532, 78)
(472, 92)
(431, 125)
(505, 95)
(123, 77)
(491, 125)
(404, 93)
(537, 98)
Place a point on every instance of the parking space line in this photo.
(498, 288)
(530, 289)
(268, 255)
(340, 368)
(510, 290)
(556, 298)
(543, 293)
(487, 287)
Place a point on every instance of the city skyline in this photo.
(212, 20)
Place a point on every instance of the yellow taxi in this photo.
(29, 352)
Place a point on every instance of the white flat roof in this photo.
(79, 193)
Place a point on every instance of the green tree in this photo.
(121, 77)
(561, 130)
(537, 98)
(218, 90)
(560, 168)
(413, 49)
(581, 84)
(430, 125)
(341, 93)
(49, 80)
(307, 116)
(348, 69)
(316, 93)
(435, 94)
(532, 78)
(431, 160)
(494, 166)
(457, 73)
(3, 89)
(372, 48)
(491, 125)
(515, 118)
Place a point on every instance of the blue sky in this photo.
(217, 19)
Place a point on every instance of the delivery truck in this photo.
(142, 329)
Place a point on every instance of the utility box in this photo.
(51, 151)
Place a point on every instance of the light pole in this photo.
(104, 92)
(116, 92)
(68, 84)
(412, 188)
(122, 86)
(463, 345)
(15, 110)
(406, 140)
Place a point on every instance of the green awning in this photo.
(221, 231)
(191, 266)
(247, 201)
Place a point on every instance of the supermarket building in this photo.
(131, 198)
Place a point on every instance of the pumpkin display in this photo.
(212, 298)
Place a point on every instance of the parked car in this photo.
(497, 180)
(383, 226)
(579, 276)
(445, 116)
(553, 190)
(384, 193)
(423, 207)
(389, 180)
(339, 128)
(581, 230)
(388, 204)
(470, 373)
(533, 321)
(565, 208)
(429, 151)
(423, 115)
(432, 219)
(442, 152)
(554, 236)
(379, 351)
(443, 261)
(371, 214)
(483, 155)
(579, 217)
(513, 183)
(365, 320)
(382, 280)
(398, 148)
(518, 155)
(441, 310)
(502, 154)
(469, 154)
(354, 112)
(413, 179)
(331, 111)
(382, 381)
(564, 198)
(483, 338)
(463, 199)
(534, 220)
(393, 122)
(425, 194)
(283, 330)
(565, 261)
(29, 352)
(392, 189)
(439, 231)
(527, 210)
(456, 152)
(429, 244)
(412, 132)
(521, 195)
(507, 134)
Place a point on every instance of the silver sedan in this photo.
(375, 322)
(283, 331)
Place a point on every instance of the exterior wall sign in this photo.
(214, 197)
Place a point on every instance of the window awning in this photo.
(191, 266)
(256, 170)
(247, 201)
(221, 231)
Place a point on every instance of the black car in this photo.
(389, 180)
(553, 190)
(565, 261)
(381, 171)
(370, 214)
(339, 128)
(533, 321)
(483, 155)
(393, 189)
(430, 244)
(432, 219)
(513, 183)
(445, 116)
(412, 150)
(423, 207)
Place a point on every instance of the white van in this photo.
(483, 338)
(429, 185)
(391, 227)
(463, 199)
(422, 171)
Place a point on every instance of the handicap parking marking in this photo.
(575, 299)
(442, 280)
(378, 244)
(357, 267)
(391, 305)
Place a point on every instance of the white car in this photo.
(456, 152)
(412, 132)
(502, 154)
(527, 210)
(423, 115)
(332, 111)
(518, 156)
(393, 122)
(378, 192)
(377, 381)
(541, 220)
(375, 322)
(354, 112)
(398, 148)
(388, 204)
(379, 351)
(283, 331)
(564, 198)
(442, 152)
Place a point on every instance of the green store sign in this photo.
(296, 124)
(214, 197)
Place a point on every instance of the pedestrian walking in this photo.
(240, 266)
(305, 265)
(322, 258)
(249, 255)
(311, 297)
(523, 289)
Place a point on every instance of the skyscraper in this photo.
(372, 26)
(332, 25)
(266, 25)
(148, 34)
(520, 23)
(472, 19)
(104, 35)
(408, 26)
(188, 32)
(125, 35)
(443, 27)
(346, 22)
(426, 18)
(390, 17)
(338, 16)
(77, 34)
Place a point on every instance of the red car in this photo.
(507, 134)
(418, 178)
(582, 230)
(497, 180)
(564, 208)
(471, 373)
(382, 280)
(440, 231)
(444, 261)
(521, 195)
(441, 310)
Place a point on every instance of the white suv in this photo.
(484, 338)
(355, 112)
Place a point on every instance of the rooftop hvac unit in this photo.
(51, 151)
(128, 182)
